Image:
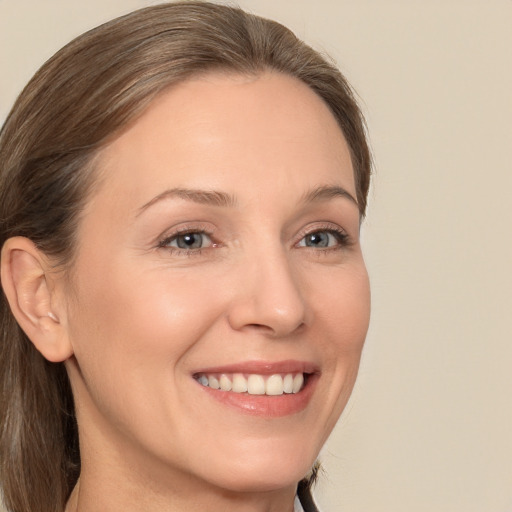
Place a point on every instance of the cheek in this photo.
(344, 312)
(128, 323)
(343, 306)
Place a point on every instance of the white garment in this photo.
(297, 507)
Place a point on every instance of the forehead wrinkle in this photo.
(208, 197)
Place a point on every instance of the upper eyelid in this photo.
(184, 233)
(170, 233)
(165, 243)
(321, 226)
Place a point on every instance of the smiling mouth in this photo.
(269, 389)
(254, 384)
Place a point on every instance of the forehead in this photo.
(226, 131)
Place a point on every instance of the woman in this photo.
(185, 298)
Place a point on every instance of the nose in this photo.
(268, 298)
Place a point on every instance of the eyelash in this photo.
(339, 234)
(198, 230)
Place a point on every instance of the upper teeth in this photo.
(254, 384)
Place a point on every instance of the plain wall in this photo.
(429, 427)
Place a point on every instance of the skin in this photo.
(140, 316)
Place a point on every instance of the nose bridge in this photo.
(270, 295)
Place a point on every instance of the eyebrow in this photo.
(208, 197)
(326, 192)
(218, 198)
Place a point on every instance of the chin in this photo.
(252, 480)
(268, 471)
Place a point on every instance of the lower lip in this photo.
(265, 405)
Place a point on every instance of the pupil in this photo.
(190, 241)
(318, 240)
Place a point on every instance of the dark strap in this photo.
(305, 497)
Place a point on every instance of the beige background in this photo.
(429, 427)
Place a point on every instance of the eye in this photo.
(188, 241)
(323, 239)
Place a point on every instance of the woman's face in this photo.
(220, 248)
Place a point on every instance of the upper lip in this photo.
(263, 367)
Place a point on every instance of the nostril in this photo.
(260, 327)
(273, 330)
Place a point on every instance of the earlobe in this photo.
(30, 291)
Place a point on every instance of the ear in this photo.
(32, 292)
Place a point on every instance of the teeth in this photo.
(274, 385)
(239, 383)
(225, 383)
(255, 384)
(298, 380)
(213, 382)
(288, 383)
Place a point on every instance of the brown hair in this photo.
(80, 99)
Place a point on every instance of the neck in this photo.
(91, 496)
